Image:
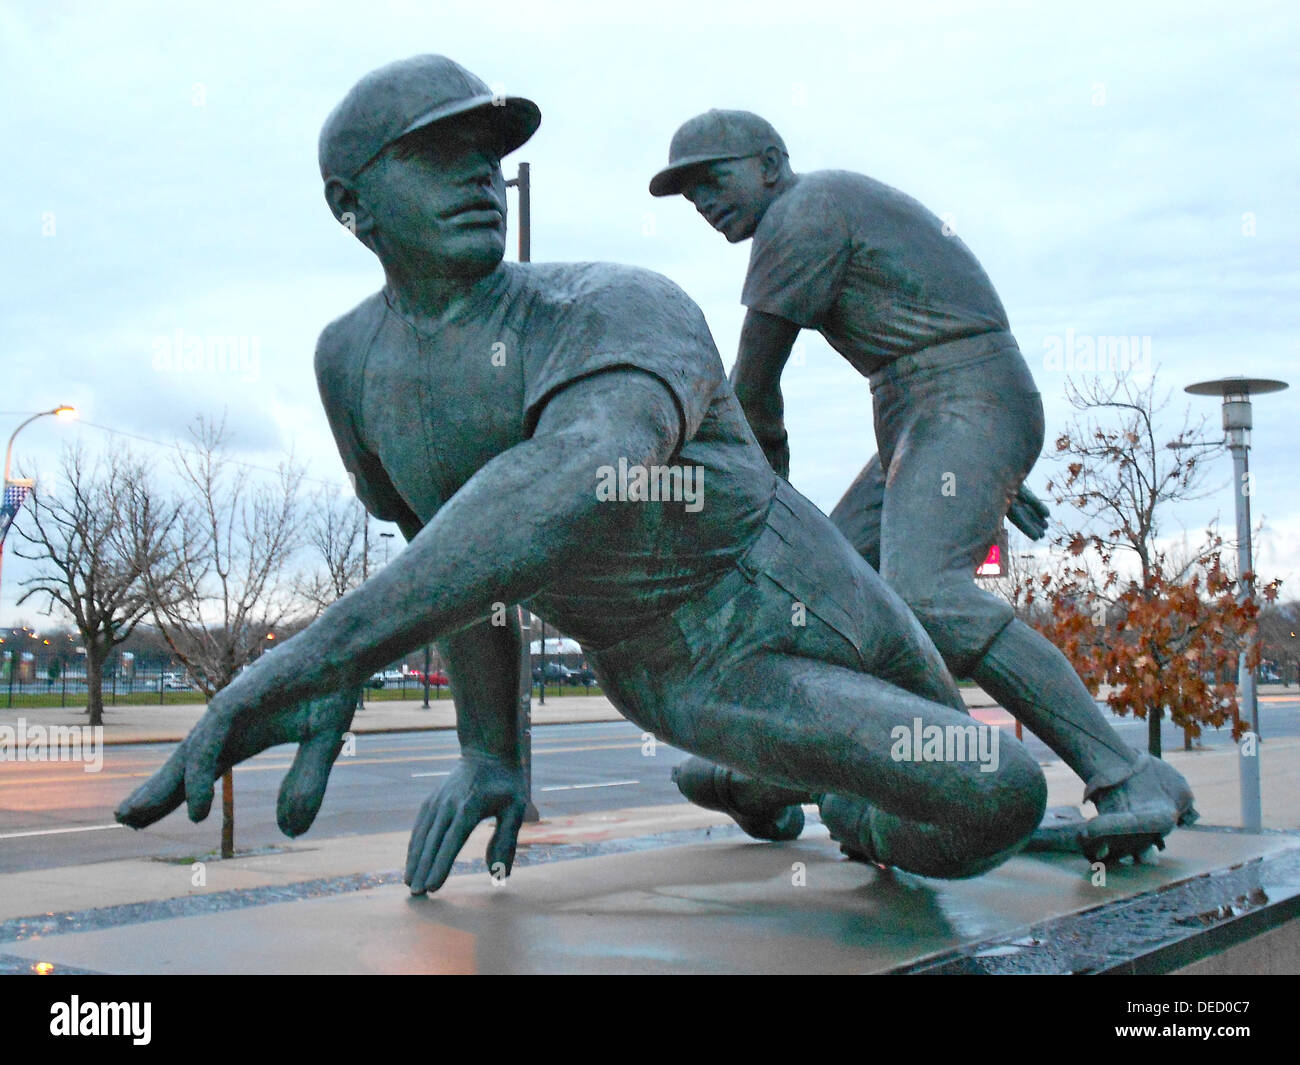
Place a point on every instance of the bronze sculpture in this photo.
(746, 630)
(958, 421)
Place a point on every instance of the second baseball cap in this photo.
(410, 94)
(711, 138)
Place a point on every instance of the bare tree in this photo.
(233, 587)
(335, 536)
(105, 544)
(1120, 474)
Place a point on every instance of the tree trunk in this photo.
(228, 814)
(1154, 716)
(95, 658)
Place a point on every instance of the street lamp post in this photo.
(1236, 393)
(428, 664)
(63, 410)
(523, 184)
(542, 648)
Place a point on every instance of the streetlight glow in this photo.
(63, 410)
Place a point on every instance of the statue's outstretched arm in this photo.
(476, 551)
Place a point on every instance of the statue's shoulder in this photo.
(822, 199)
(584, 282)
(858, 192)
(343, 342)
(844, 188)
(604, 304)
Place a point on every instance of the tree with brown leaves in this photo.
(1162, 627)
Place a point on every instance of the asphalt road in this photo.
(56, 814)
(1277, 717)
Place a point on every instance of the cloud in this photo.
(1117, 169)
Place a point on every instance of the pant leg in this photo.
(857, 514)
(789, 696)
(960, 444)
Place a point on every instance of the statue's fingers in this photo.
(423, 826)
(203, 767)
(501, 848)
(453, 840)
(303, 788)
(429, 848)
(158, 796)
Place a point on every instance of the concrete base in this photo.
(717, 906)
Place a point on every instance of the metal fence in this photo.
(47, 680)
(56, 680)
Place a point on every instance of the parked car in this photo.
(555, 672)
(436, 677)
(175, 682)
(585, 676)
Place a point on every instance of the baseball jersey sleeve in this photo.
(630, 319)
(798, 258)
(338, 362)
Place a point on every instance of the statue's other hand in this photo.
(233, 730)
(1029, 514)
(479, 787)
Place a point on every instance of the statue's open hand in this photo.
(235, 728)
(1029, 514)
(478, 788)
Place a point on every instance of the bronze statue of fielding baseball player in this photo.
(959, 424)
(745, 629)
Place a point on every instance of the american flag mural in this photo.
(15, 497)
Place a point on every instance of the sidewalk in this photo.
(1211, 772)
(653, 889)
(296, 865)
(171, 724)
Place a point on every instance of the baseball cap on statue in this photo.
(711, 138)
(410, 94)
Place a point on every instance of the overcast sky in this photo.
(1119, 169)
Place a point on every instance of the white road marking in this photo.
(444, 773)
(58, 831)
(577, 787)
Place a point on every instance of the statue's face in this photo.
(437, 200)
(732, 196)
